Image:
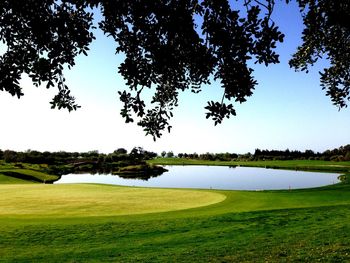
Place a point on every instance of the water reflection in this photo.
(143, 177)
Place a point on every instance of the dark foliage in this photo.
(169, 46)
(327, 35)
(42, 36)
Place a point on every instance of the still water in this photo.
(216, 177)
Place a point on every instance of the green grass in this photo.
(88, 200)
(104, 223)
(24, 172)
(4, 179)
(292, 164)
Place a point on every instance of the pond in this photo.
(215, 177)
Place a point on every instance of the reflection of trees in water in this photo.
(141, 172)
(344, 178)
(136, 176)
(144, 177)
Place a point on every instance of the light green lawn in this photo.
(42, 201)
(86, 200)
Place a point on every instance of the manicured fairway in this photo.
(103, 223)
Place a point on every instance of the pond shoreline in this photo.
(297, 165)
(41, 176)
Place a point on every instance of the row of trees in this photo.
(137, 154)
(209, 156)
(284, 155)
(338, 154)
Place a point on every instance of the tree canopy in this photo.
(170, 46)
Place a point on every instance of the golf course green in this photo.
(86, 200)
(105, 223)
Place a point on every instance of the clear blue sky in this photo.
(287, 110)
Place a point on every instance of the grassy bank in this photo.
(104, 223)
(24, 173)
(292, 164)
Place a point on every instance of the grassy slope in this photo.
(27, 172)
(300, 225)
(292, 164)
(4, 179)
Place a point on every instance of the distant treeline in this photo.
(136, 155)
(210, 156)
(339, 154)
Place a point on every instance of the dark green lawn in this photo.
(305, 235)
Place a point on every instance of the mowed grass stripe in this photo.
(80, 200)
